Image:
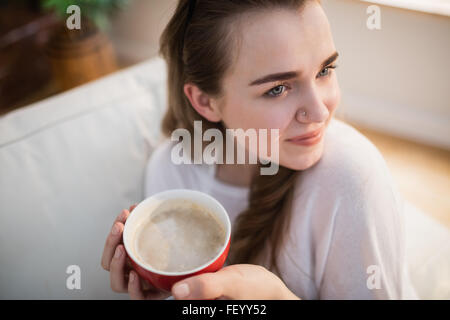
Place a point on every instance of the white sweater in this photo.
(346, 239)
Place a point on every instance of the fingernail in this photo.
(115, 230)
(118, 253)
(181, 290)
(132, 276)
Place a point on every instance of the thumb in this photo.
(203, 286)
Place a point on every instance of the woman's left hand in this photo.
(238, 282)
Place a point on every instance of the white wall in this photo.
(395, 79)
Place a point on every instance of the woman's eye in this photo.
(326, 71)
(276, 91)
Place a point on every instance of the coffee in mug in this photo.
(179, 235)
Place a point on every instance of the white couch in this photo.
(71, 163)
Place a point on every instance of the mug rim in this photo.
(174, 194)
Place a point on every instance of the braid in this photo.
(265, 218)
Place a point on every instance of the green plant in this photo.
(98, 11)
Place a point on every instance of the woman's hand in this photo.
(239, 282)
(115, 260)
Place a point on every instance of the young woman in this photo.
(329, 224)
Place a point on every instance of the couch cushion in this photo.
(69, 165)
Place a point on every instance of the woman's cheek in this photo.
(241, 113)
(333, 98)
(267, 117)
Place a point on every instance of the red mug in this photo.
(165, 280)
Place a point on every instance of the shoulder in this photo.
(349, 154)
(162, 173)
(161, 154)
(349, 213)
(350, 182)
(158, 169)
(159, 161)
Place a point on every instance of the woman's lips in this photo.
(308, 139)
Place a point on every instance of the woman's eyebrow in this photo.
(290, 74)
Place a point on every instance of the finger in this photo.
(122, 217)
(145, 286)
(117, 270)
(204, 286)
(134, 287)
(114, 238)
(137, 291)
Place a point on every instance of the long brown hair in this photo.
(199, 45)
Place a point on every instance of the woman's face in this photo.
(299, 48)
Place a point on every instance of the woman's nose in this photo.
(312, 107)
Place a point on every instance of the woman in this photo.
(328, 224)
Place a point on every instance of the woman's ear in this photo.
(202, 103)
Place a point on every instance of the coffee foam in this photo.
(178, 235)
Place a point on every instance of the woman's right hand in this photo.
(115, 260)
